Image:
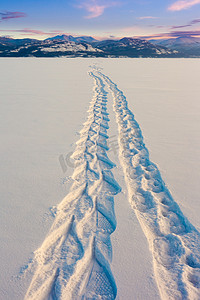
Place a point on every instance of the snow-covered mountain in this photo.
(63, 37)
(72, 47)
(9, 43)
(178, 43)
(83, 46)
(133, 48)
(87, 39)
(70, 38)
(187, 45)
(65, 46)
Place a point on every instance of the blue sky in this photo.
(100, 18)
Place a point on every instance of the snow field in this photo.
(41, 110)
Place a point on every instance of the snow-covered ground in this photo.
(43, 105)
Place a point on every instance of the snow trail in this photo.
(173, 240)
(74, 259)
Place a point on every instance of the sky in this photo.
(100, 18)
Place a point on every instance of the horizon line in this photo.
(173, 35)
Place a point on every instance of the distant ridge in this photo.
(70, 38)
(87, 46)
(190, 46)
(63, 37)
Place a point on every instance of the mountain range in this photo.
(87, 46)
(187, 46)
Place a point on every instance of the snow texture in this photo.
(86, 255)
(73, 261)
(173, 241)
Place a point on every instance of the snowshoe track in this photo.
(173, 241)
(74, 259)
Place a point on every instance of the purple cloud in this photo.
(11, 15)
(196, 21)
(181, 26)
(173, 34)
(193, 22)
(190, 33)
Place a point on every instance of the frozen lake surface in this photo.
(43, 105)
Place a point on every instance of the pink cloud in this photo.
(95, 11)
(57, 31)
(30, 31)
(11, 15)
(183, 4)
(33, 31)
(147, 17)
(95, 8)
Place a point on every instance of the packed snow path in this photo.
(173, 241)
(74, 260)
